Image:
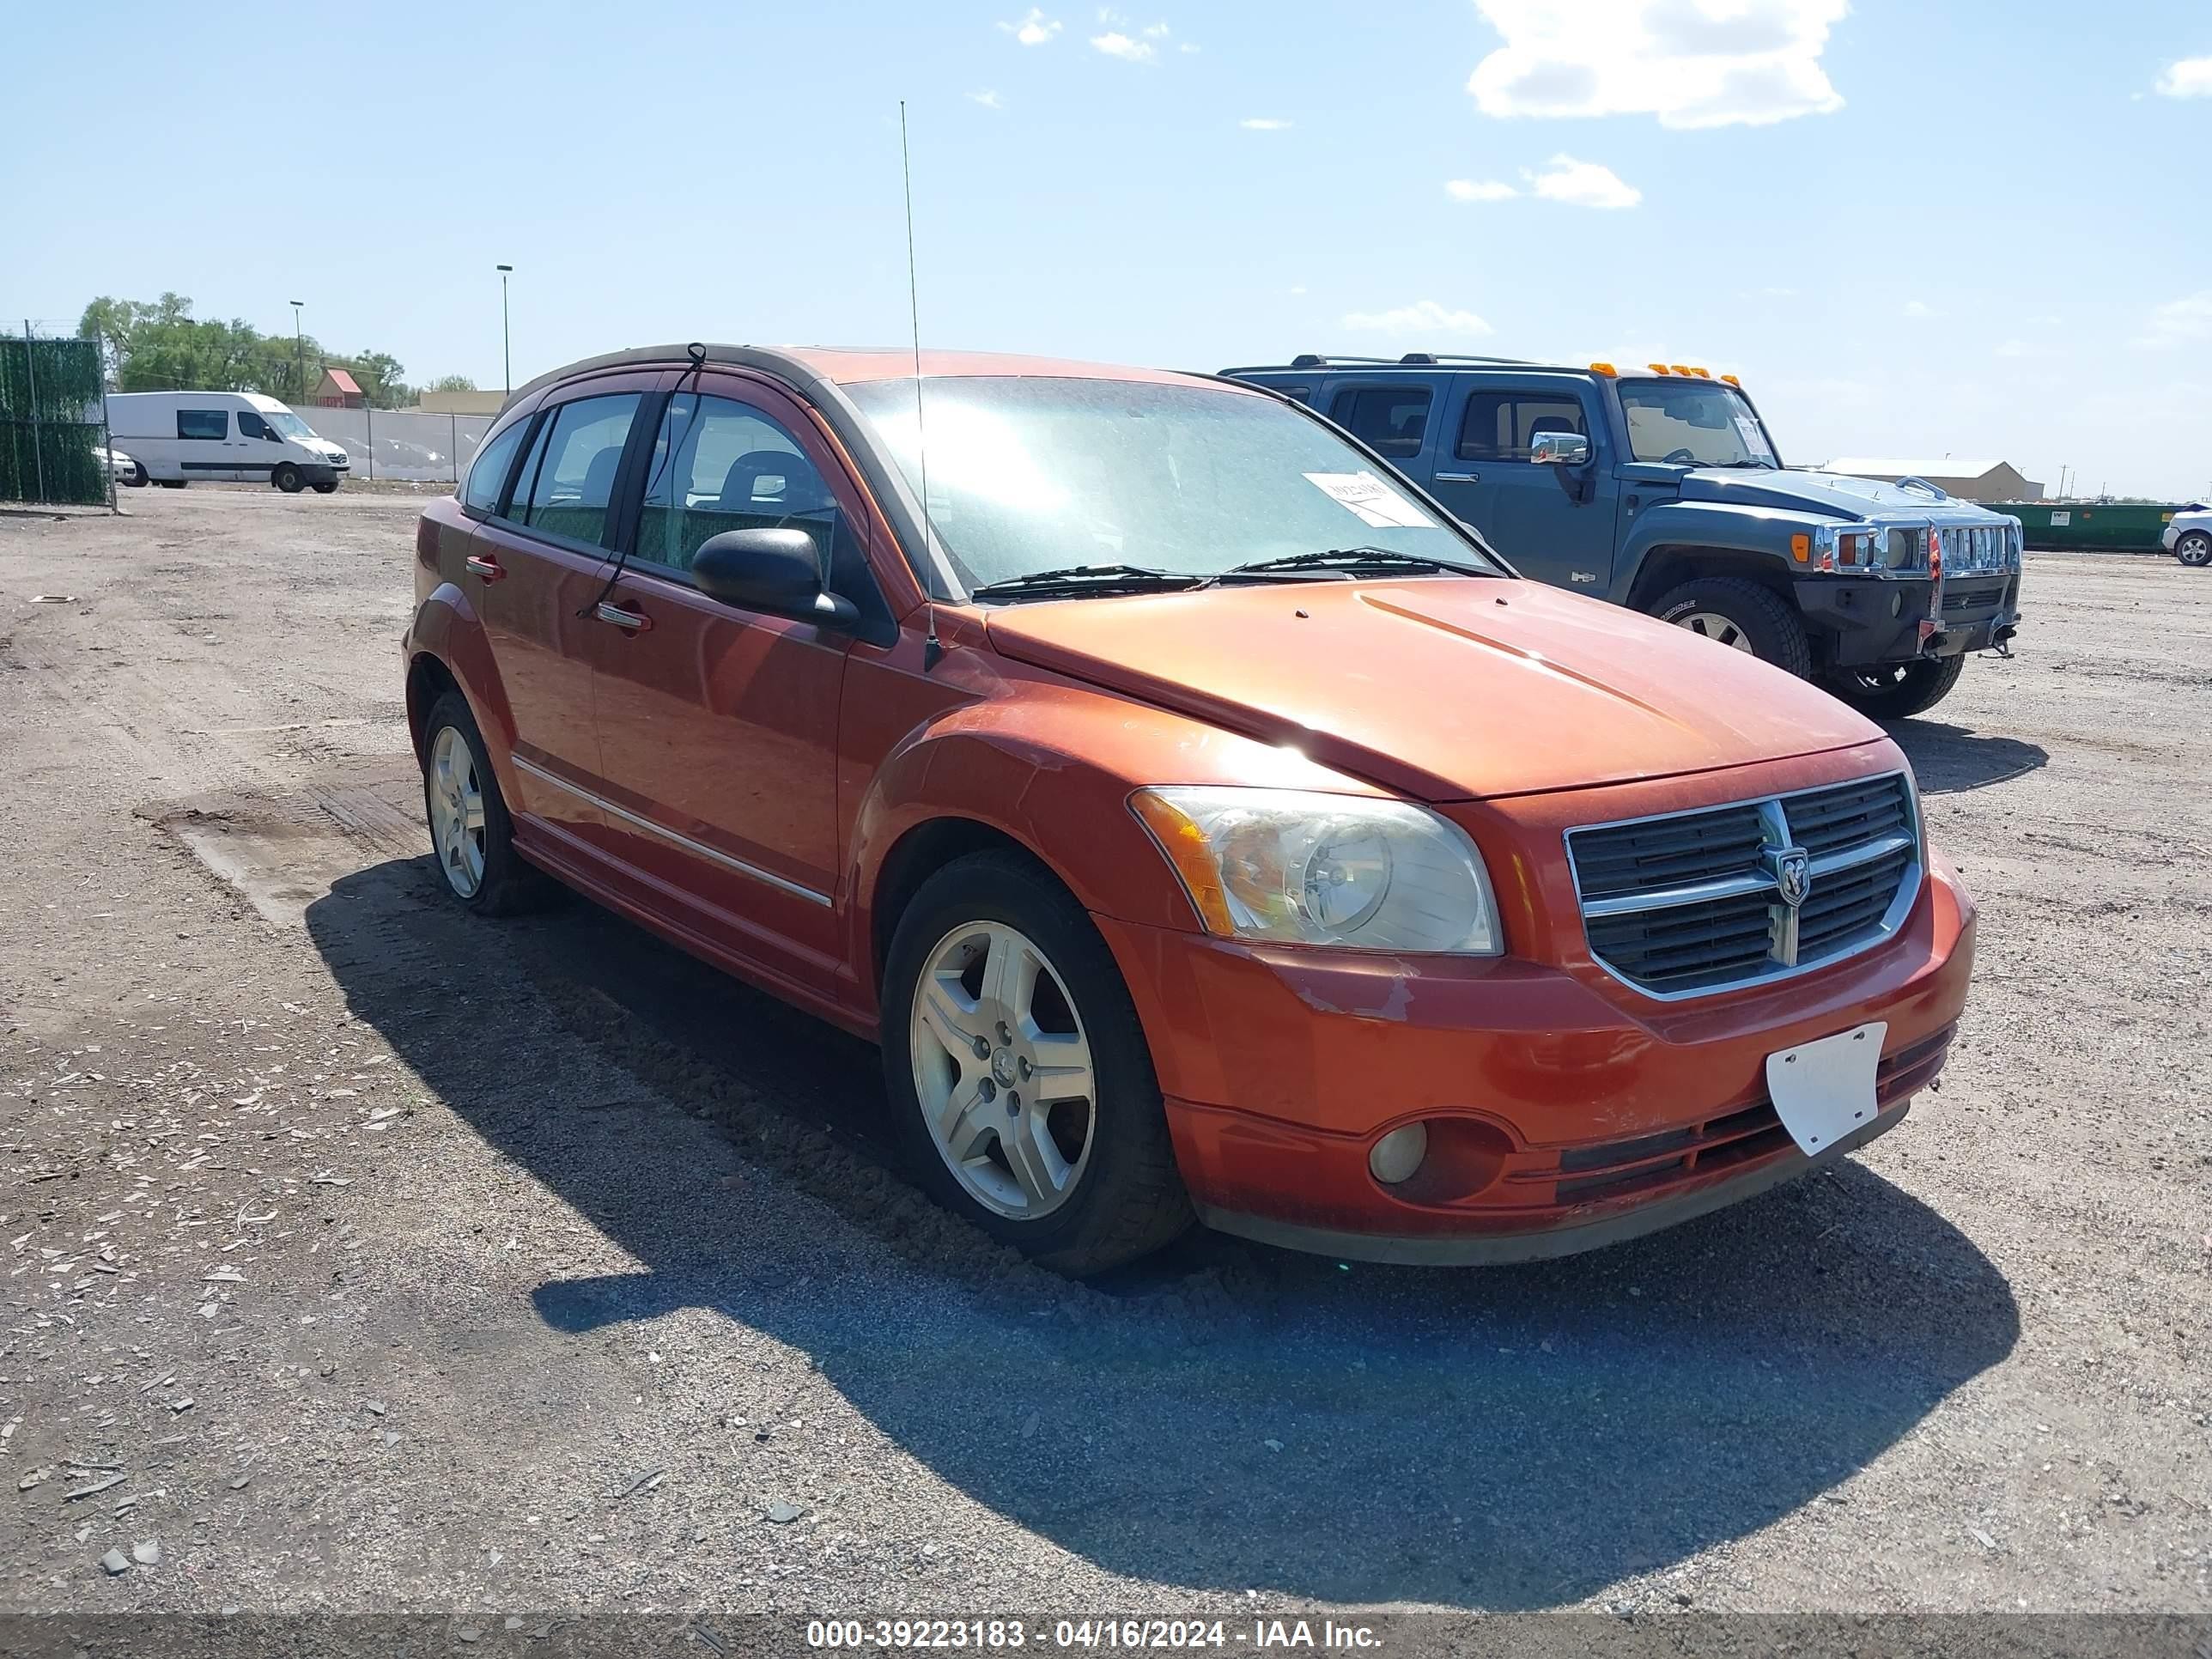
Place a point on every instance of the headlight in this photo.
(1303, 868)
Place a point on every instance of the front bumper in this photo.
(1565, 1110)
(1871, 621)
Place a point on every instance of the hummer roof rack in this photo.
(1411, 360)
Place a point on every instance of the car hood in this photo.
(1442, 689)
(1831, 495)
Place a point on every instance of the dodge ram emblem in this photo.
(1793, 875)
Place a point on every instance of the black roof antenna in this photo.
(931, 648)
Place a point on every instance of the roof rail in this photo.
(1411, 360)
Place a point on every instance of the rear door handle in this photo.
(1455, 478)
(630, 622)
(481, 564)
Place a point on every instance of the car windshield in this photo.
(284, 420)
(1028, 474)
(1694, 423)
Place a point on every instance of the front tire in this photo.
(327, 488)
(471, 834)
(2194, 549)
(1019, 1077)
(1742, 615)
(1898, 690)
(286, 478)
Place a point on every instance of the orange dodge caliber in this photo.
(1205, 825)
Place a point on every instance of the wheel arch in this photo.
(1666, 565)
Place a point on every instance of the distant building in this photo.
(337, 390)
(461, 403)
(1970, 481)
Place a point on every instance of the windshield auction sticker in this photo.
(1375, 501)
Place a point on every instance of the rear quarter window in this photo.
(488, 471)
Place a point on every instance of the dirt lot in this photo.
(359, 1255)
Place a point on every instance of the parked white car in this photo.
(2189, 536)
(121, 467)
(179, 436)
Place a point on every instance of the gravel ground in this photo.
(362, 1255)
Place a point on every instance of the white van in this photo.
(179, 436)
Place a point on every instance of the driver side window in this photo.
(250, 425)
(719, 464)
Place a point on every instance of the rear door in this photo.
(534, 570)
(208, 443)
(1560, 535)
(719, 726)
(1391, 415)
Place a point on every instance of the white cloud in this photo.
(2187, 77)
(1033, 29)
(1690, 62)
(1479, 190)
(1423, 316)
(1114, 44)
(2022, 348)
(1187, 46)
(2182, 321)
(1264, 123)
(1919, 310)
(1300, 288)
(1157, 31)
(987, 100)
(1583, 184)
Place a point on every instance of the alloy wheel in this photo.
(1712, 625)
(457, 811)
(1002, 1070)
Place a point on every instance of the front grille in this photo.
(1976, 547)
(1697, 902)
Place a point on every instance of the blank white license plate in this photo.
(1823, 1090)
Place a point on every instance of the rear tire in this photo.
(1896, 692)
(137, 479)
(286, 478)
(2194, 549)
(172, 483)
(1742, 615)
(1122, 1196)
(472, 837)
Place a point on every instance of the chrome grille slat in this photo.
(1691, 904)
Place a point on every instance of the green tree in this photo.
(380, 376)
(452, 383)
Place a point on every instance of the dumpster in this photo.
(2099, 526)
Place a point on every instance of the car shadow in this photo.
(1950, 759)
(1224, 1416)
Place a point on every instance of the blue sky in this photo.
(1980, 228)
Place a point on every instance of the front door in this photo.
(534, 571)
(1546, 530)
(718, 726)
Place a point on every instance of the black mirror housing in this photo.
(777, 571)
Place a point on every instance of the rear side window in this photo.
(1390, 420)
(574, 484)
(209, 424)
(487, 473)
(1500, 426)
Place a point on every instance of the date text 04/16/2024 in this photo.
(1088, 1634)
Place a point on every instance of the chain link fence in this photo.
(400, 443)
(53, 421)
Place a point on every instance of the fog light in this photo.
(1399, 1154)
(1896, 604)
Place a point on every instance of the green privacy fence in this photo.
(50, 422)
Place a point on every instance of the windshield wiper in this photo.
(1355, 558)
(1088, 579)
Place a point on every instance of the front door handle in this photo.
(1456, 477)
(481, 564)
(630, 622)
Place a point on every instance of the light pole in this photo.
(506, 349)
(299, 355)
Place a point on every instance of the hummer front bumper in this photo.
(1868, 620)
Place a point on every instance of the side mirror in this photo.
(777, 571)
(1559, 449)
